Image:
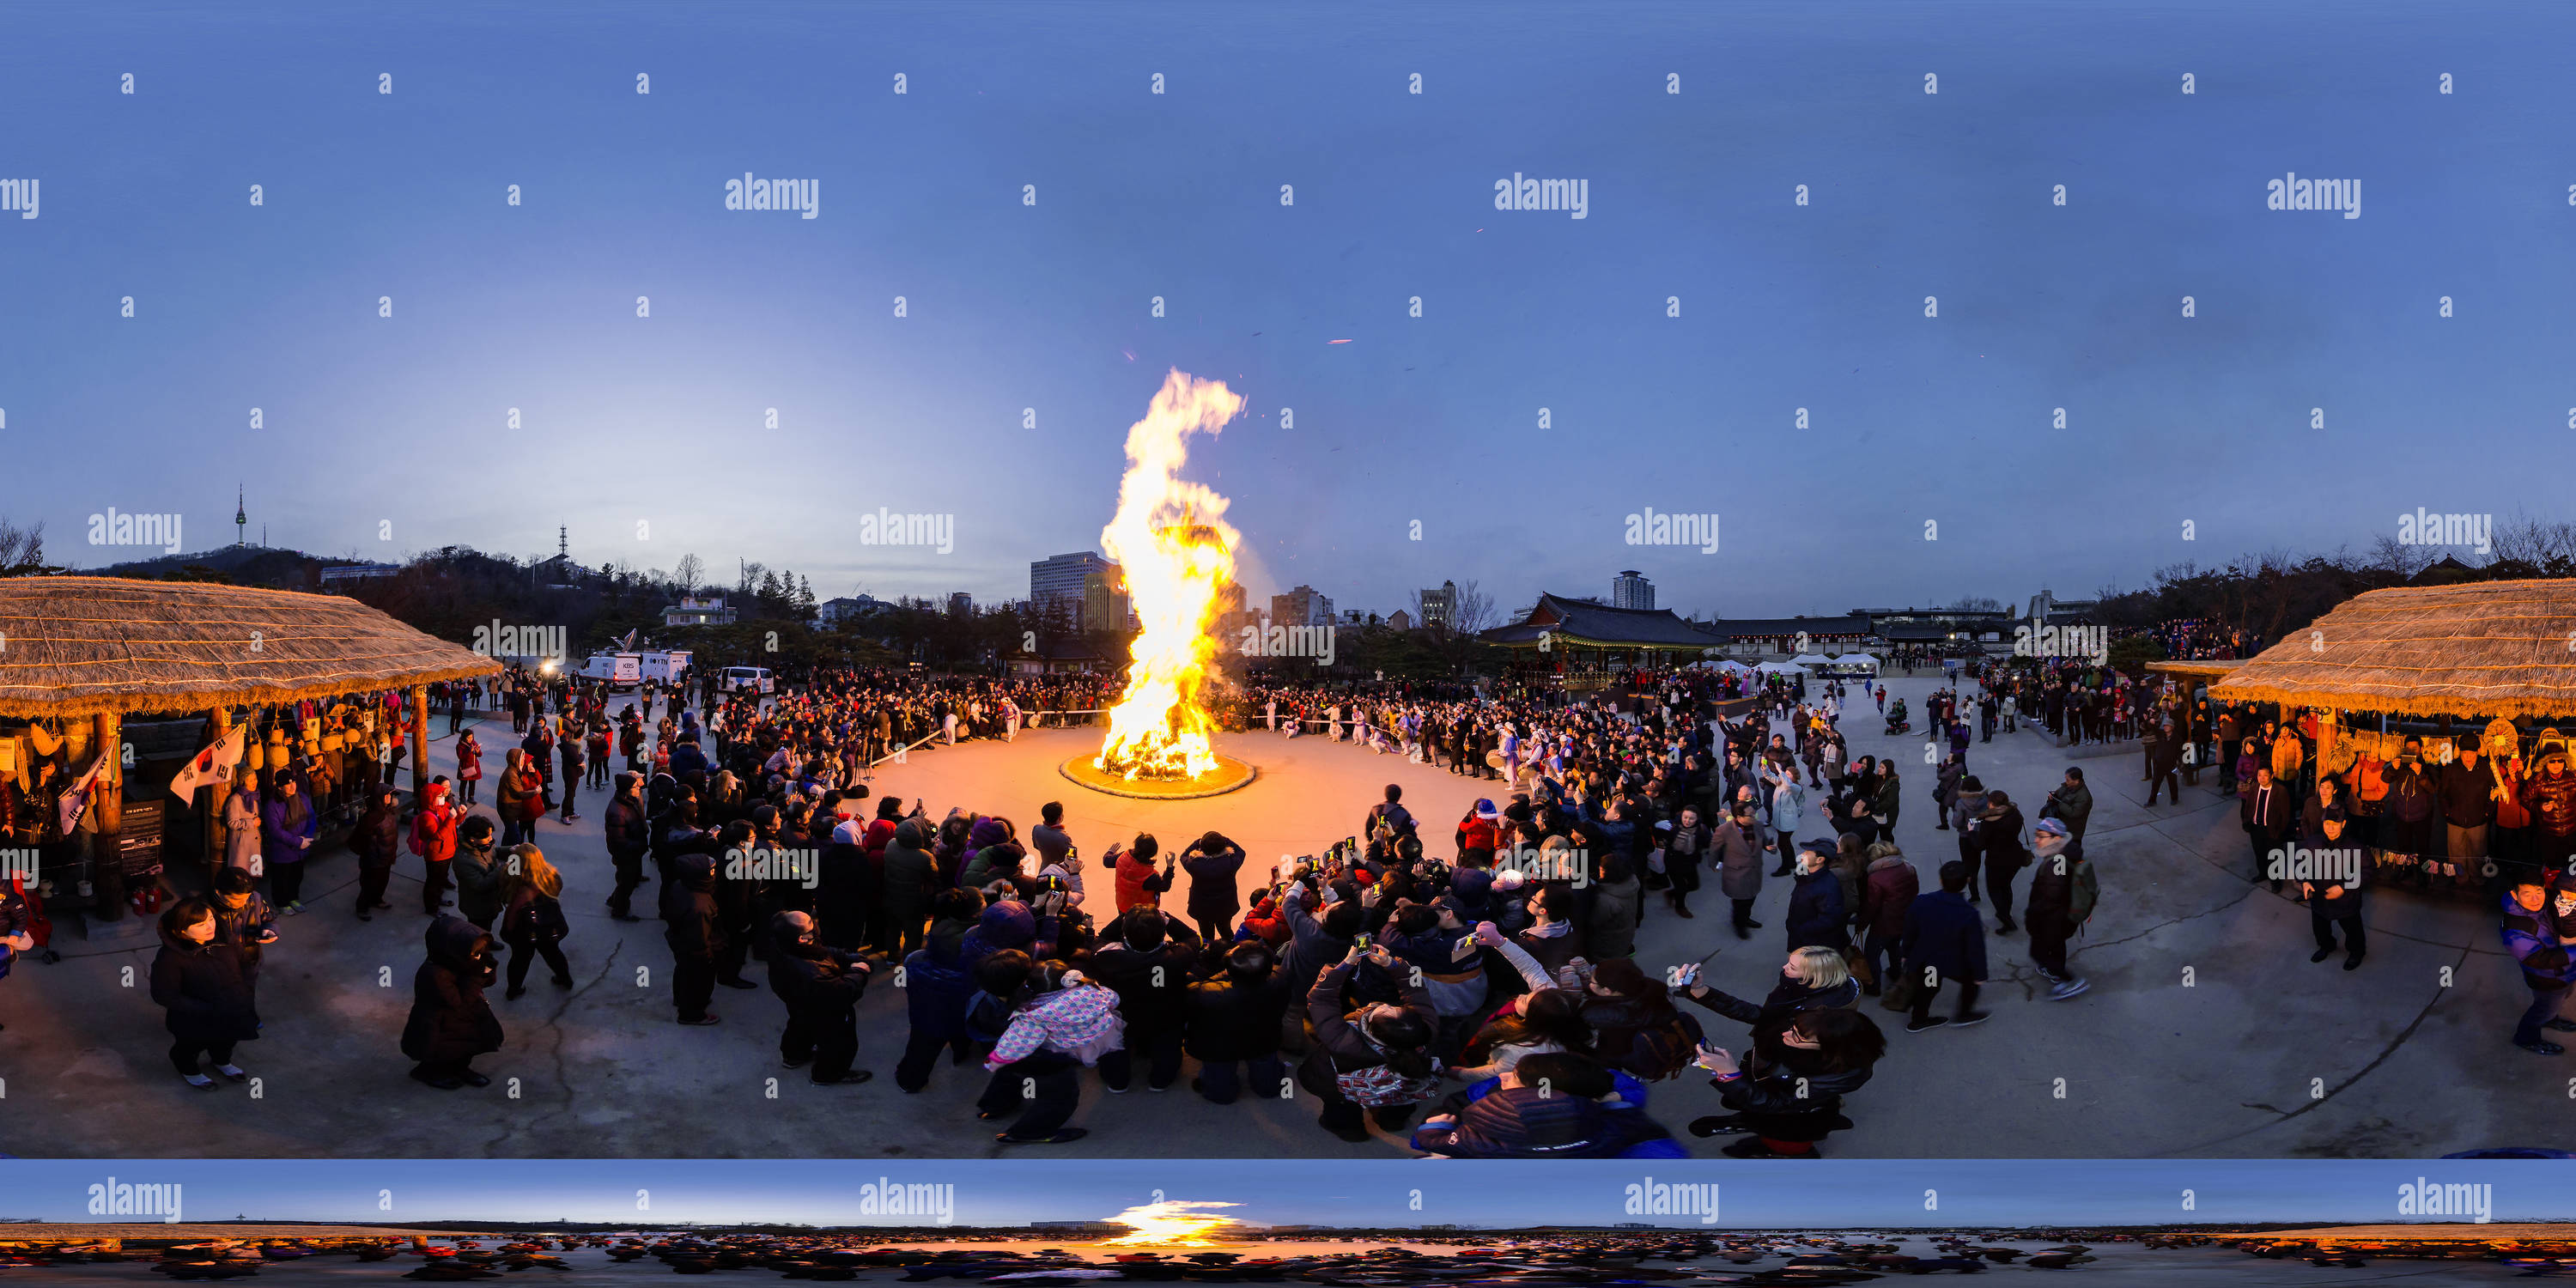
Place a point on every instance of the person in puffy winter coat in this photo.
(1067, 1022)
(821, 986)
(1551, 1105)
(450, 1022)
(693, 925)
(937, 988)
(205, 995)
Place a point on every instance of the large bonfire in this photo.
(1176, 550)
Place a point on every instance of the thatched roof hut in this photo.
(2198, 668)
(2491, 648)
(72, 646)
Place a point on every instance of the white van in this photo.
(666, 666)
(749, 679)
(619, 670)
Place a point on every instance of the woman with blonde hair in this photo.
(533, 920)
(1814, 978)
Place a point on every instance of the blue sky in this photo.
(1888, 1192)
(370, 420)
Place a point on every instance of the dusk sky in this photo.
(1291, 1191)
(369, 420)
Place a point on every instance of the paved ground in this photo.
(2207, 1031)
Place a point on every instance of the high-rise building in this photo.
(961, 604)
(1301, 607)
(1104, 601)
(1440, 606)
(1062, 578)
(1630, 590)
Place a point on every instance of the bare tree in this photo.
(22, 550)
(691, 569)
(1475, 609)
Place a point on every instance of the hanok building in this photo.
(1582, 636)
(1761, 637)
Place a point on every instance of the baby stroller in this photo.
(1896, 721)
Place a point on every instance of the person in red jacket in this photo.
(1139, 884)
(433, 838)
(1479, 836)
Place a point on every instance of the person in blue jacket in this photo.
(2540, 931)
(937, 986)
(1945, 940)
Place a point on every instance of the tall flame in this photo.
(1176, 551)
(1170, 1224)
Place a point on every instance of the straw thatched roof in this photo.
(82, 645)
(2206, 668)
(2491, 648)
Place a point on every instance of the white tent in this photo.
(1811, 659)
(1857, 659)
(1728, 664)
(1779, 668)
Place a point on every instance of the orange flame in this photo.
(1171, 1224)
(1176, 552)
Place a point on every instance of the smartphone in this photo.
(1360, 941)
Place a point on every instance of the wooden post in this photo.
(107, 857)
(419, 741)
(219, 722)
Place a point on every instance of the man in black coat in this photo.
(2267, 814)
(1147, 962)
(2164, 763)
(1945, 940)
(693, 925)
(629, 838)
(821, 987)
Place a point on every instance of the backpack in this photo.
(1661, 1051)
(2084, 892)
(1379, 1085)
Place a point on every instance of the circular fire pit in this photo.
(1229, 775)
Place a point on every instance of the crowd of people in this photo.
(1446, 989)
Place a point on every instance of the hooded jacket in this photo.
(204, 991)
(450, 1022)
(1150, 982)
(937, 989)
(1235, 1016)
(1005, 923)
(693, 924)
(478, 872)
